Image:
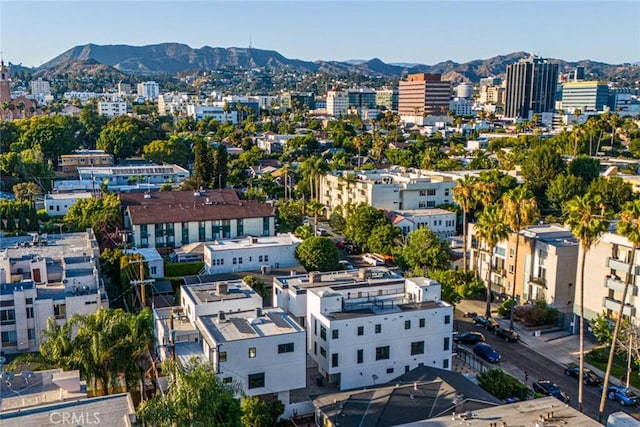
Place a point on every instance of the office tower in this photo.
(423, 94)
(531, 87)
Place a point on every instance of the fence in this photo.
(474, 362)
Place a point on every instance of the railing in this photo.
(540, 281)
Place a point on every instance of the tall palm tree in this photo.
(588, 219)
(463, 194)
(490, 230)
(520, 210)
(485, 193)
(314, 208)
(629, 227)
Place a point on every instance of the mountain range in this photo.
(175, 58)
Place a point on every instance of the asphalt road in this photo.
(517, 358)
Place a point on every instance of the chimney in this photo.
(222, 317)
(258, 312)
(364, 274)
(315, 277)
(222, 288)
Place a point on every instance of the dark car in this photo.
(507, 333)
(623, 395)
(549, 388)
(589, 378)
(469, 337)
(486, 352)
(487, 323)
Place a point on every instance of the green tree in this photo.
(125, 136)
(502, 385)
(289, 214)
(520, 210)
(491, 229)
(314, 208)
(257, 285)
(585, 167)
(541, 165)
(318, 254)
(92, 123)
(361, 222)
(101, 214)
(196, 397)
(588, 219)
(203, 167)
(613, 190)
(383, 239)
(52, 136)
(174, 150)
(220, 166)
(424, 252)
(629, 227)
(563, 188)
(260, 413)
(26, 191)
(464, 195)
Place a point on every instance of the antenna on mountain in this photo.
(249, 40)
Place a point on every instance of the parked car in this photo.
(322, 232)
(589, 377)
(486, 352)
(549, 388)
(623, 395)
(487, 323)
(346, 265)
(352, 248)
(507, 333)
(339, 243)
(373, 260)
(468, 337)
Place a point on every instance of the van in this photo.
(373, 259)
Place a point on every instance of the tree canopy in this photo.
(318, 253)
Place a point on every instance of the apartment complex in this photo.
(46, 276)
(125, 178)
(531, 87)
(148, 90)
(369, 335)
(68, 164)
(442, 222)
(113, 108)
(391, 189)
(170, 219)
(423, 94)
(337, 103)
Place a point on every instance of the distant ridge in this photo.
(173, 58)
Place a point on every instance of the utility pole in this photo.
(142, 282)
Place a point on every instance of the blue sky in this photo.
(419, 31)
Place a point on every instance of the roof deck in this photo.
(249, 324)
(218, 291)
(343, 279)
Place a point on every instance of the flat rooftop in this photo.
(58, 246)
(203, 293)
(246, 324)
(343, 279)
(364, 307)
(424, 212)
(253, 242)
(66, 196)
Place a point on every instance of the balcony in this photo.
(614, 305)
(538, 281)
(617, 285)
(621, 266)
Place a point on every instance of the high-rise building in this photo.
(337, 103)
(585, 96)
(531, 87)
(5, 83)
(387, 98)
(148, 90)
(40, 87)
(424, 94)
(362, 98)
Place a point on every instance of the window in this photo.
(266, 258)
(335, 334)
(234, 261)
(29, 312)
(252, 352)
(222, 357)
(323, 352)
(60, 311)
(31, 334)
(315, 348)
(512, 252)
(421, 323)
(445, 363)
(9, 338)
(7, 317)
(360, 330)
(227, 380)
(406, 368)
(256, 380)
(378, 328)
(389, 370)
(28, 301)
(407, 324)
(334, 360)
(417, 347)
(315, 326)
(260, 258)
(382, 353)
(446, 343)
(285, 348)
(323, 333)
(240, 260)
(360, 357)
(447, 319)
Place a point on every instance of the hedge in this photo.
(180, 269)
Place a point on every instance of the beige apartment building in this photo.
(68, 164)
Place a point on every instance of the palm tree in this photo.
(520, 210)
(464, 196)
(587, 217)
(629, 227)
(490, 230)
(485, 193)
(314, 208)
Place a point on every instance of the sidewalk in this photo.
(561, 346)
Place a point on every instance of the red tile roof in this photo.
(183, 206)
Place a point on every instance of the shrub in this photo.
(179, 269)
(505, 308)
(537, 314)
(503, 385)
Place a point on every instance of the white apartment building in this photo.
(112, 108)
(58, 204)
(40, 87)
(149, 90)
(46, 276)
(461, 106)
(251, 253)
(371, 335)
(440, 221)
(393, 189)
(216, 111)
(607, 266)
(337, 103)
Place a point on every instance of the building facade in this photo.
(585, 96)
(58, 204)
(337, 103)
(127, 178)
(68, 164)
(423, 94)
(531, 87)
(112, 108)
(440, 221)
(148, 90)
(362, 98)
(217, 112)
(387, 98)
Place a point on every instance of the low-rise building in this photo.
(216, 111)
(369, 335)
(68, 164)
(58, 204)
(440, 221)
(252, 253)
(42, 277)
(151, 259)
(113, 108)
(170, 219)
(148, 177)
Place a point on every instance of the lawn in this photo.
(598, 359)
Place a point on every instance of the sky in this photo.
(418, 31)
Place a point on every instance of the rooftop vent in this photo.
(196, 194)
(147, 195)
